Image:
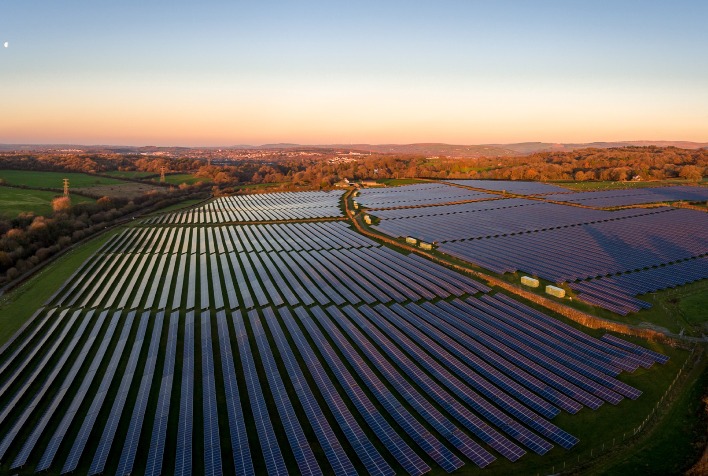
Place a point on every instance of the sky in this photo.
(222, 73)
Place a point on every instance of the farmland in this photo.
(35, 179)
(14, 201)
(130, 174)
(189, 179)
(92, 185)
(261, 333)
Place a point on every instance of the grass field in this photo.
(14, 201)
(674, 444)
(29, 178)
(131, 174)
(404, 181)
(609, 185)
(178, 179)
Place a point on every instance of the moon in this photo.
(6, 44)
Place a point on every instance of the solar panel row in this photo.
(185, 424)
(210, 413)
(109, 430)
(239, 438)
(272, 456)
(304, 457)
(156, 452)
(367, 453)
(130, 446)
(61, 430)
(79, 444)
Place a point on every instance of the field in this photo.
(395, 182)
(178, 179)
(121, 190)
(610, 185)
(131, 174)
(54, 179)
(209, 346)
(14, 201)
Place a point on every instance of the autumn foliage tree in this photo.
(61, 204)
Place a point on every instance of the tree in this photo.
(691, 172)
(61, 204)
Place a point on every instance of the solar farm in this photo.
(607, 256)
(205, 342)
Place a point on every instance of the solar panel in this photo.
(423, 407)
(275, 464)
(305, 458)
(50, 452)
(32, 404)
(109, 430)
(162, 412)
(132, 438)
(237, 425)
(391, 325)
(81, 439)
(212, 447)
(27, 382)
(367, 453)
(400, 450)
(183, 453)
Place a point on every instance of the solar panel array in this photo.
(493, 219)
(635, 196)
(592, 250)
(585, 247)
(616, 292)
(260, 207)
(308, 349)
(417, 195)
(278, 264)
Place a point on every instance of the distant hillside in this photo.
(487, 150)
(524, 148)
(426, 149)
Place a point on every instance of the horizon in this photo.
(454, 72)
(632, 142)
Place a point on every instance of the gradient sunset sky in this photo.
(387, 71)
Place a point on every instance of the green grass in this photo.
(189, 179)
(132, 174)
(694, 307)
(609, 185)
(30, 178)
(403, 181)
(20, 303)
(673, 445)
(14, 201)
